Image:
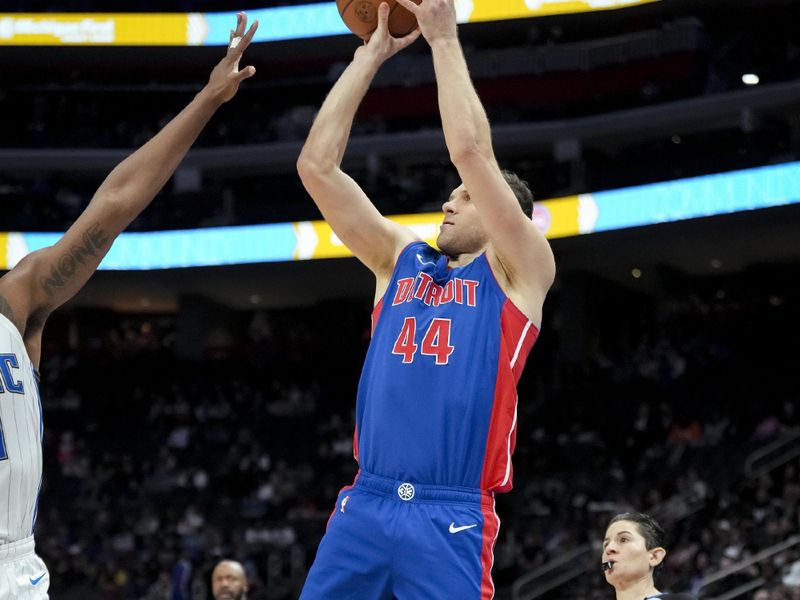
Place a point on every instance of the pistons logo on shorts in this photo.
(406, 491)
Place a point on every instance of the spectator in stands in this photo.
(229, 581)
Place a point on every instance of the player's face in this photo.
(228, 581)
(461, 231)
(626, 548)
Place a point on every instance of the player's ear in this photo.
(657, 556)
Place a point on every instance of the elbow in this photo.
(305, 165)
(311, 167)
(119, 200)
(466, 153)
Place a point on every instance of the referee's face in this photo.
(626, 549)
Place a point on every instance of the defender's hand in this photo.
(224, 80)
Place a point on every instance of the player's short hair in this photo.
(521, 190)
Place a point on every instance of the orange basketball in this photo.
(361, 17)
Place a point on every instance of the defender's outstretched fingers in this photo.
(239, 44)
(241, 22)
(246, 73)
(237, 31)
(250, 33)
(239, 39)
(236, 34)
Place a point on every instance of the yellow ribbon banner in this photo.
(101, 29)
(474, 11)
(211, 29)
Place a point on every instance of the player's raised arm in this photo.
(375, 240)
(522, 250)
(45, 279)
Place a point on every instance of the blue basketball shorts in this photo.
(395, 539)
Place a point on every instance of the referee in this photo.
(633, 549)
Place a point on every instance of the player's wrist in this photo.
(210, 97)
(369, 60)
(445, 41)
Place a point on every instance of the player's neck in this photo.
(637, 590)
(463, 259)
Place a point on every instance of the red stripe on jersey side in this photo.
(376, 313)
(517, 336)
(491, 527)
(335, 505)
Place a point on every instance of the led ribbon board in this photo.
(275, 24)
(676, 200)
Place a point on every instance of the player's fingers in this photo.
(246, 73)
(410, 6)
(383, 17)
(240, 43)
(247, 37)
(250, 33)
(241, 23)
(409, 38)
(236, 34)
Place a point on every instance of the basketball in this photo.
(361, 17)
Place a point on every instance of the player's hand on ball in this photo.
(226, 76)
(436, 18)
(382, 44)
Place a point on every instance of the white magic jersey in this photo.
(20, 438)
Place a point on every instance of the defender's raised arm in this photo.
(45, 279)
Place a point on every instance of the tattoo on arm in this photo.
(5, 310)
(94, 241)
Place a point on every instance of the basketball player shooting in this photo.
(45, 279)
(436, 404)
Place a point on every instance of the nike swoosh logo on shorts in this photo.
(454, 529)
(38, 579)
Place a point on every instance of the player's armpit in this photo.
(16, 292)
(526, 290)
(6, 310)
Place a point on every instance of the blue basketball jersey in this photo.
(437, 400)
(21, 433)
